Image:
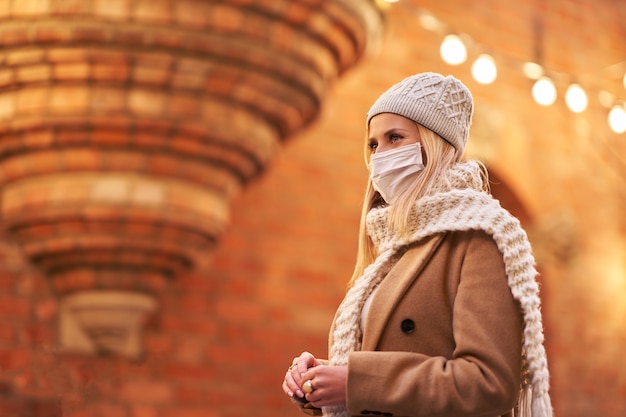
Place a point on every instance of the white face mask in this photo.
(393, 171)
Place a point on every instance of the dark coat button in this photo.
(407, 326)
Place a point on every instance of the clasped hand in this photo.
(309, 379)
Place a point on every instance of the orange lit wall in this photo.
(226, 331)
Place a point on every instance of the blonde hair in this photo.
(440, 157)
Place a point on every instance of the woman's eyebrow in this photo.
(394, 129)
(391, 130)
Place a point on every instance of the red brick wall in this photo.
(227, 331)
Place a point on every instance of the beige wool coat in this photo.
(443, 335)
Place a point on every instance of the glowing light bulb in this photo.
(484, 69)
(532, 70)
(544, 91)
(576, 98)
(429, 22)
(606, 99)
(453, 50)
(617, 119)
(385, 5)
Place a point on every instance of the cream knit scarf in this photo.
(455, 207)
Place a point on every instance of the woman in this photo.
(442, 313)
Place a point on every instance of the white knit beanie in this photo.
(441, 104)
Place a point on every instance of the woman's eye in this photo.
(372, 145)
(394, 138)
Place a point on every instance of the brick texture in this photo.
(123, 143)
(153, 95)
(126, 129)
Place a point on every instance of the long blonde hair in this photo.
(440, 157)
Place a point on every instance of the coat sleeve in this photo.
(480, 378)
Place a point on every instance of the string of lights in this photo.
(484, 69)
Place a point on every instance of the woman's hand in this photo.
(328, 384)
(292, 384)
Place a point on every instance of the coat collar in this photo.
(395, 284)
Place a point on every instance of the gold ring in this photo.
(307, 387)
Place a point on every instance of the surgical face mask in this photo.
(393, 171)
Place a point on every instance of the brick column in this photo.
(126, 126)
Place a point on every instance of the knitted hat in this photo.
(441, 104)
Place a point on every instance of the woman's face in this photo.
(390, 131)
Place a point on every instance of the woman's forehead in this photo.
(386, 121)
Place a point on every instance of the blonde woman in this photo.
(442, 316)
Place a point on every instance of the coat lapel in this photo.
(393, 286)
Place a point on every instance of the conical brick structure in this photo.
(126, 126)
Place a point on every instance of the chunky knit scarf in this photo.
(457, 206)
